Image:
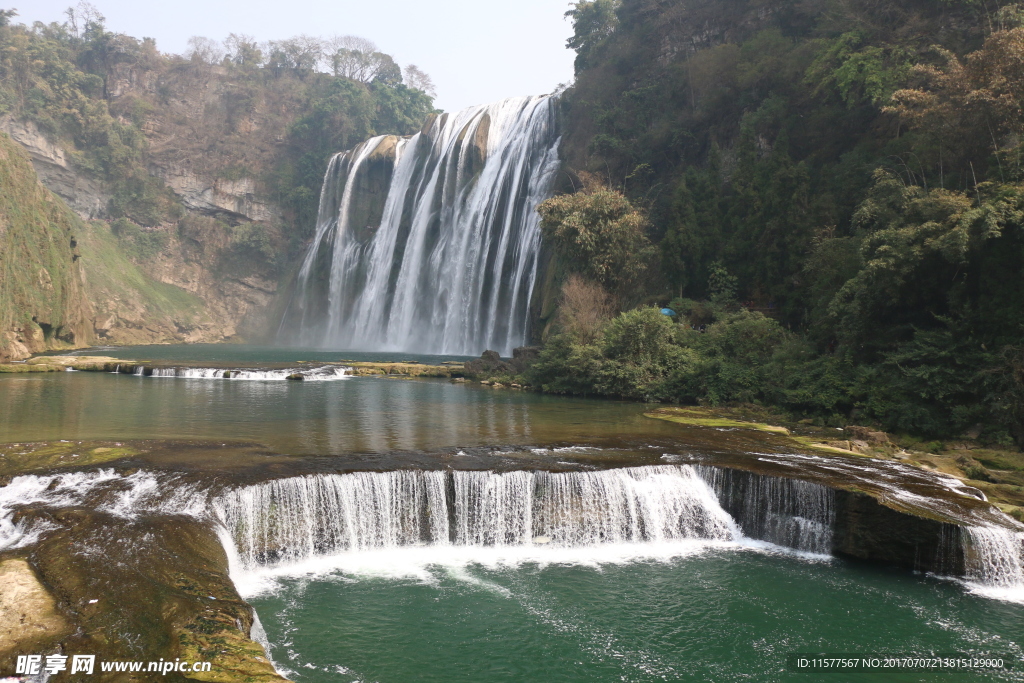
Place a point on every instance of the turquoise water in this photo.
(721, 615)
(416, 614)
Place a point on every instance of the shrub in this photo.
(599, 234)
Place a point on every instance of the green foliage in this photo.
(339, 113)
(642, 354)
(40, 290)
(254, 239)
(144, 199)
(592, 22)
(859, 73)
(735, 355)
(140, 244)
(853, 173)
(599, 234)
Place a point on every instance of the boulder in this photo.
(867, 435)
(28, 612)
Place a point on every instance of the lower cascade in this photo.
(288, 520)
(314, 374)
(431, 243)
(787, 512)
(293, 519)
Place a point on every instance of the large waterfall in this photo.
(430, 243)
(298, 518)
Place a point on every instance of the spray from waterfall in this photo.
(430, 243)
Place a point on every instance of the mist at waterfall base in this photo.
(631, 575)
(430, 243)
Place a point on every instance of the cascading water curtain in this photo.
(287, 520)
(430, 243)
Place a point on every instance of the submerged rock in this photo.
(29, 618)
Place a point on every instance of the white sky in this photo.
(476, 51)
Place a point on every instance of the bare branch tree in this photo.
(81, 16)
(243, 49)
(417, 78)
(204, 50)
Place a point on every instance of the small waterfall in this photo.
(430, 243)
(311, 374)
(787, 512)
(995, 557)
(293, 519)
(125, 496)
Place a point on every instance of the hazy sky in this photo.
(475, 50)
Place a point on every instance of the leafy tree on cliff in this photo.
(599, 234)
(592, 22)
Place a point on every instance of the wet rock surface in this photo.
(29, 618)
(143, 589)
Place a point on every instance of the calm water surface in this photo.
(356, 414)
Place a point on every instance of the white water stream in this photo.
(446, 263)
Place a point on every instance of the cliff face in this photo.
(198, 178)
(210, 166)
(67, 282)
(42, 295)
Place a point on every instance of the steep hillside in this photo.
(42, 299)
(207, 169)
(66, 282)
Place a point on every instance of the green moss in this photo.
(40, 291)
(33, 457)
(1000, 460)
(703, 417)
(11, 368)
(112, 275)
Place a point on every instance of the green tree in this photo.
(592, 22)
(599, 234)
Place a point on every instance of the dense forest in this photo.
(827, 194)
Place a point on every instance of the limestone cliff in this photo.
(67, 282)
(42, 295)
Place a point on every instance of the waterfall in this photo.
(995, 557)
(430, 243)
(281, 522)
(309, 373)
(292, 519)
(787, 512)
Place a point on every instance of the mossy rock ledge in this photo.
(884, 510)
(140, 589)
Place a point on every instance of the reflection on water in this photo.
(360, 414)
